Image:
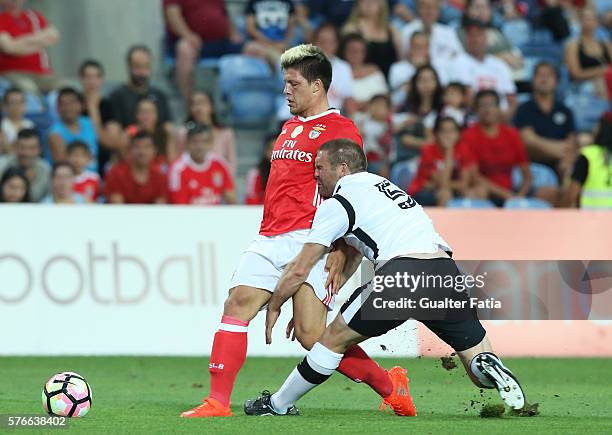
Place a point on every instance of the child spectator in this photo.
(137, 180)
(86, 182)
(257, 177)
(497, 149)
(202, 111)
(147, 119)
(14, 186)
(199, 176)
(454, 101)
(446, 168)
(27, 157)
(72, 126)
(62, 186)
(378, 126)
(13, 108)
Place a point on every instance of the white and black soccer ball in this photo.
(67, 394)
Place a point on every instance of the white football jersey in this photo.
(377, 218)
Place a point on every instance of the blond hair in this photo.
(298, 53)
(310, 61)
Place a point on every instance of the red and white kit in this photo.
(87, 184)
(204, 184)
(290, 203)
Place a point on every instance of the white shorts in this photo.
(263, 262)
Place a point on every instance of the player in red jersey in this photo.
(86, 182)
(290, 203)
(199, 176)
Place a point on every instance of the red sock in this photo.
(227, 357)
(359, 367)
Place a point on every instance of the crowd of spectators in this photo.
(446, 101)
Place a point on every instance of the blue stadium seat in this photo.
(517, 31)
(243, 71)
(469, 203)
(527, 203)
(34, 104)
(402, 173)
(542, 46)
(250, 88)
(4, 85)
(586, 105)
(251, 107)
(541, 175)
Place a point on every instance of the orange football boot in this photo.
(400, 400)
(210, 408)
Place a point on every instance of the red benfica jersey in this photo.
(292, 195)
(88, 185)
(193, 183)
(26, 23)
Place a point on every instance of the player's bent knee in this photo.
(338, 336)
(307, 340)
(244, 302)
(308, 335)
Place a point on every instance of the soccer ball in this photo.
(67, 394)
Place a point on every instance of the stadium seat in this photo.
(586, 105)
(517, 31)
(527, 203)
(541, 175)
(402, 173)
(542, 46)
(4, 85)
(469, 203)
(249, 87)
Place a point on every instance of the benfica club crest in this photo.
(316, 131)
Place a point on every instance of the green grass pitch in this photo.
(146, 395)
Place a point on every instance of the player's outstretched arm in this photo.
(293, 277)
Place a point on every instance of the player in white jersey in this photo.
(389, 228)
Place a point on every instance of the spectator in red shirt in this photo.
(86, 182)
(257, 177)
(139, 180)
(497, 149)
(200, 29)
(25, 36)
(200, 176)
(446, 168)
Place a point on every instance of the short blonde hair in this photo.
(310, 61)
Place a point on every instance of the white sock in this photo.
(318, 365)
